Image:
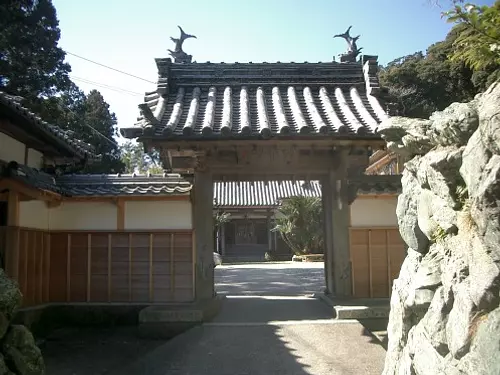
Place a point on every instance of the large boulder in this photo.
(21, 353)
(445, 313)
(10, 300)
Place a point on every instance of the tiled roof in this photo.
(212, 101)
(261, 194)
(31, 177)
(89, 185)
(86, 185)
(63, 138)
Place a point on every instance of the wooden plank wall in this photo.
(34, 263)
(118, 266)
(132, 267)
(376, 257)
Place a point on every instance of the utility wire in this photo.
(108, 67)
(102, 85)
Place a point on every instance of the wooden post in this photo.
(172, 266)
(41, 257)
(130, 267)
(389, 273)
(151, 296)
(204, 232)
(336, 207)
(370, 271)
(353, 278)
(24, 289)
(269, 234)
(120, 212)
(109, 266)
(68, 269)
(12, 236)
(223, 239)
(89, 265)
(47, 269)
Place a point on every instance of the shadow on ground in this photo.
(93, 351)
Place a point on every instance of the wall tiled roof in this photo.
(261, 194)
(61, 137)
(207, 101)
(126, 184)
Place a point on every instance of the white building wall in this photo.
(35, 159)
(11, 149)
(158, 215)
(83, 216)
(34, 214)
(374, 212)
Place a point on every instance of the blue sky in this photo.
(129, 35)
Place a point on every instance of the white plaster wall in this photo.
(374, 212)
(83, 216)
(158, 215)
(35, 159)
(33, 214)
(11, 149)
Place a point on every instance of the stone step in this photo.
(358, 308)
(167, 321)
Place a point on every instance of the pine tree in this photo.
(97, 126)
(31, 63)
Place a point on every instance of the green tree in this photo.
(97, 126)
(423, 83)
(300, 223)
(31, 63)
(136, 160)
(478, 45)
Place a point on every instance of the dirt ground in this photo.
(95, 351)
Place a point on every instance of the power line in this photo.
(108, 67)
(102, 85)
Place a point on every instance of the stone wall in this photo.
(445, 315)
(19, 354)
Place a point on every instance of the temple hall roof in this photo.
(202, 101)
(270, 193)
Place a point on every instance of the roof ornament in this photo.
(352, 49)
(178, 54)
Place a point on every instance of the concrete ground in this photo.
(269, 324)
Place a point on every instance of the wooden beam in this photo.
(29, 191)
(120, 214)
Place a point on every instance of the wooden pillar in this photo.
(223, 239)
(269, 234)
(336, 210)
(203, 232)
(12, 237)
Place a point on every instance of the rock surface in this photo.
(445, 314)
(19, 354)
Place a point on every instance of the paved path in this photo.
(290, 278)
(257, 333)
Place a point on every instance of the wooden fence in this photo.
(376, 257)
(114, 266)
